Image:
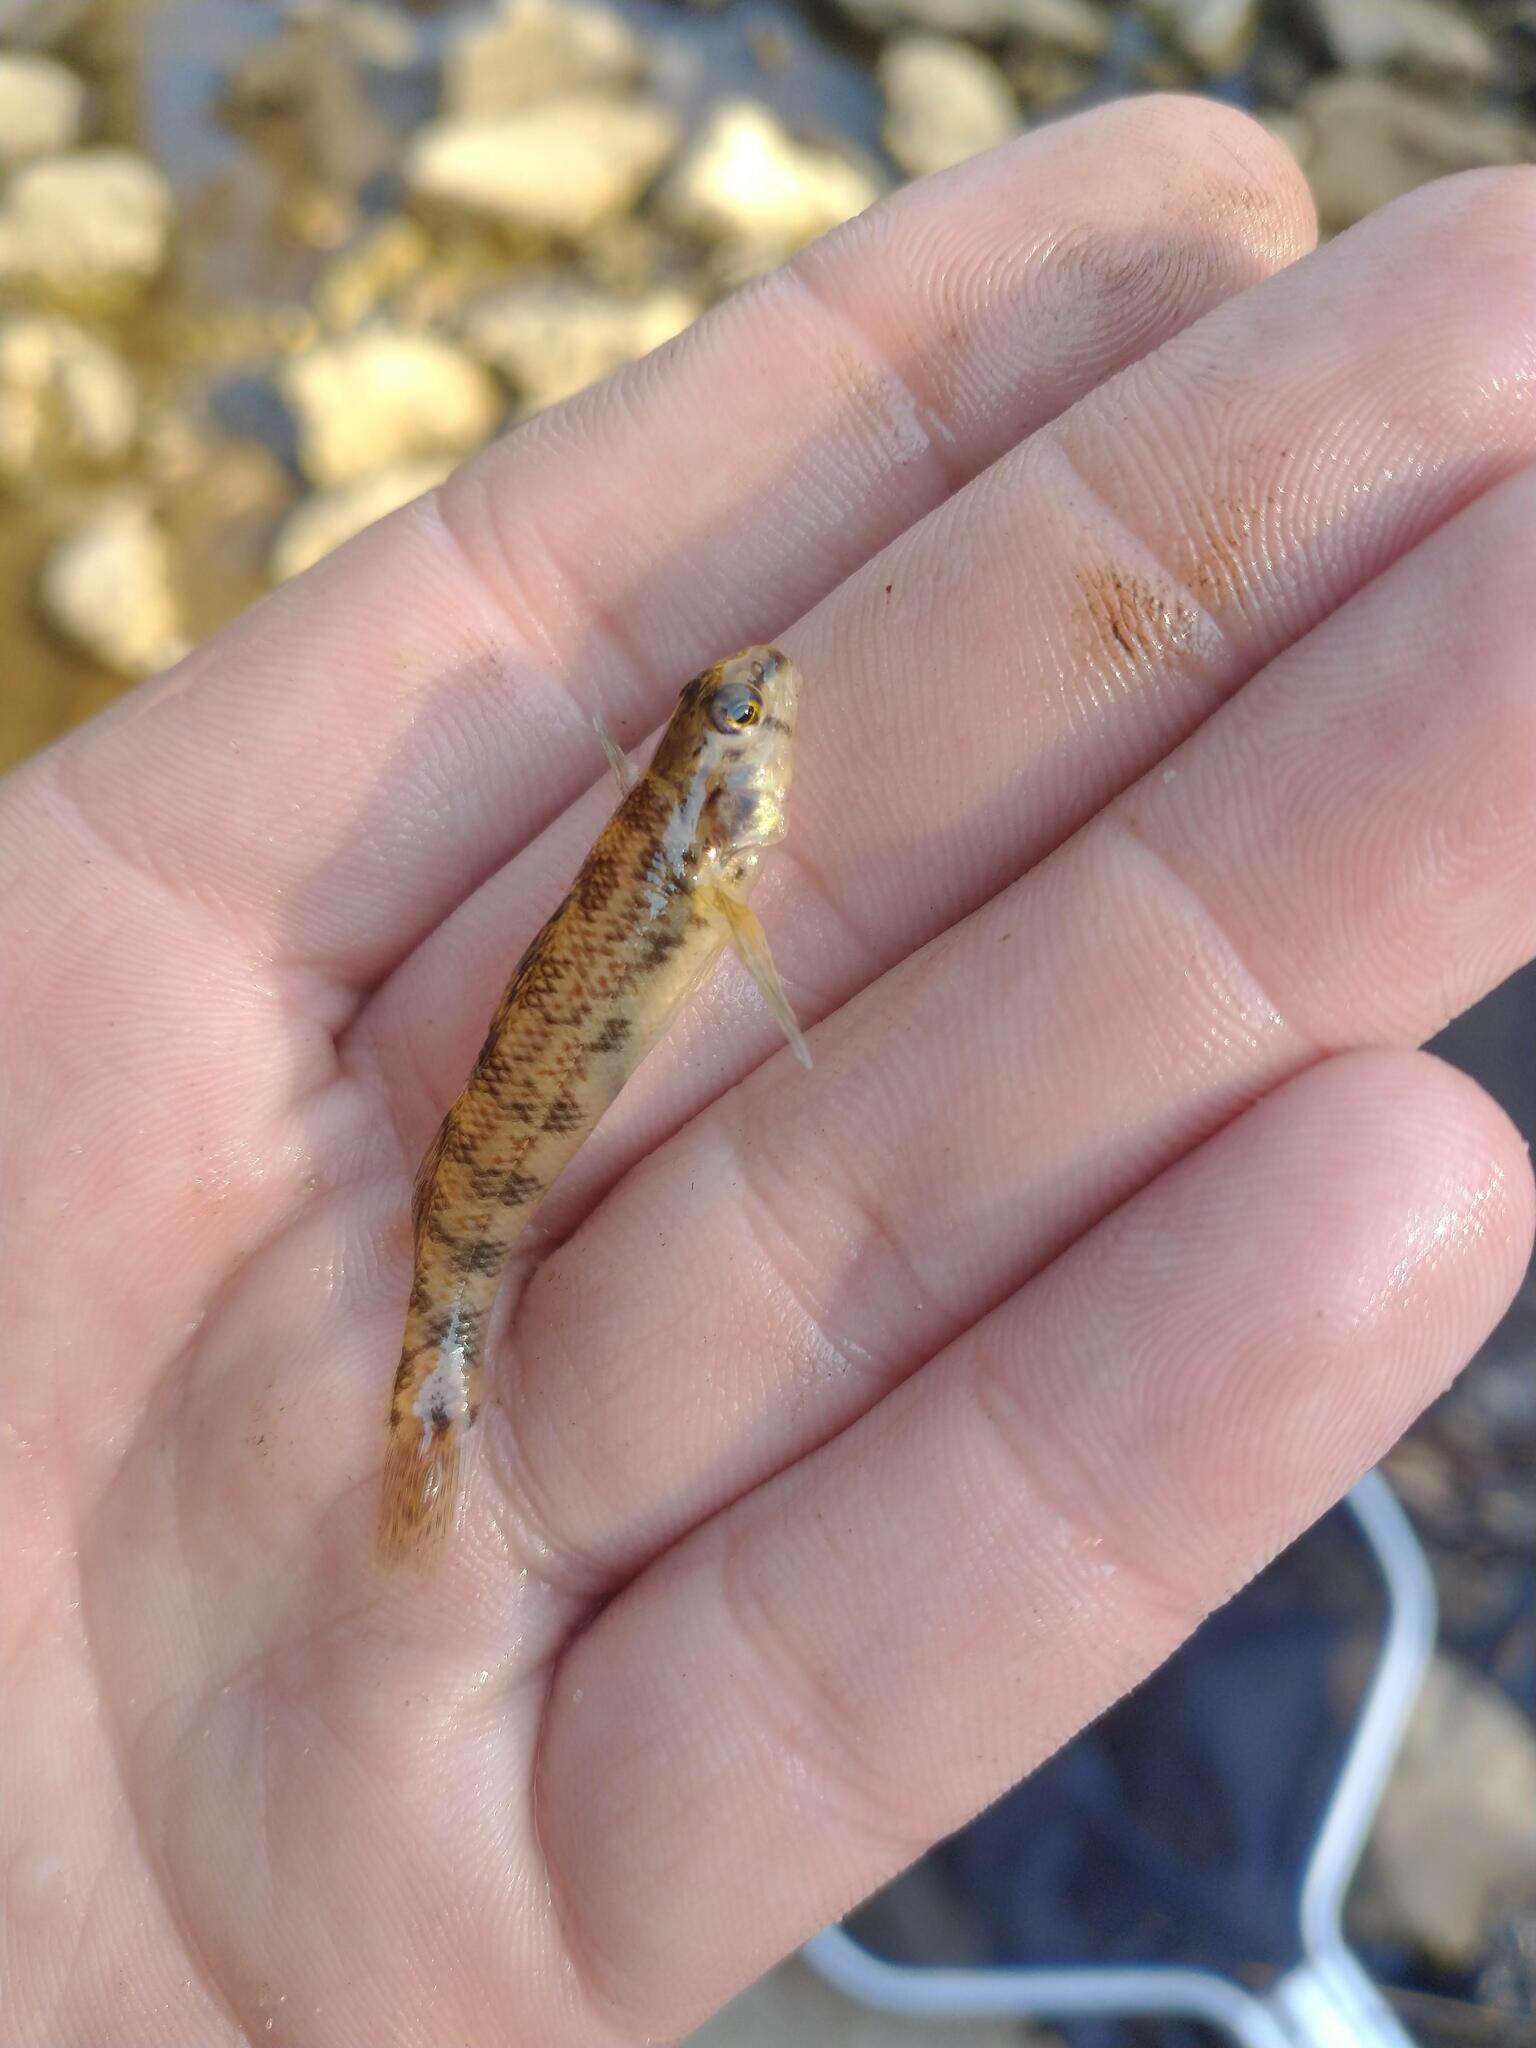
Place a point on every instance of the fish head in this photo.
(730, 748)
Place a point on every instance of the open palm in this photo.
(1169, 737)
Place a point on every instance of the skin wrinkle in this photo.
(509, 606)
(619, 2024)
(130, 1802)
(1219, 651)
(1121, 822)
(565, 1565)
(992, 1379)
(809, 1726)
(913, 429)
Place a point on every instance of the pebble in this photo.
(1373, 140)
(745, 180)
(66, 399)
(944, 102)
(378, 34)
(88, 226)
(1454, 1847)
(1216, 35)
(552, 335)
(1422, 36)
(556, 169)
(381, 397)
(42, 107)
(1072, 26)
(41, 24)
(535, 50)
(1078, 27)
(109, 588)
(324, 521)
(1043, 79)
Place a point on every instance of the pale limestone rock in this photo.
(381, 397)
(1079, 27)
(555, 169)
(1215, 34)
(944, 102)
(532, 50)
(109, 587)
(92, 224)
(66, 399)
(1373, 140)
(1074, 26)
(380, 35)
(42, 107)
(552, 335)
(1424, 36)
(323, 522)
(1454, 1846)
(745, 180)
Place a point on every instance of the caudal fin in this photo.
(420, 1498)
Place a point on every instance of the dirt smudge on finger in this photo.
(1125, 611)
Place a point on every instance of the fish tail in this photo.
(420, 1493)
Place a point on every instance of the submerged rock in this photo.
(1373, 140)
(1216, 35)
(109, 588)
(944, 102)
(550, 336)
(42, 107)
(536, 50)
(1073, 26)
(382, 396)
(746, 180)
(323, 522)
(66, 399)
(1078, 27)
(556, 169)
(301, 96)
(1454, 1847)
(1423, 36)
(41, 24)
(91, 225)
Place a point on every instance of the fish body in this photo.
(661, 892)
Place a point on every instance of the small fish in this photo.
(659, 895)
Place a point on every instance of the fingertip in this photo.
(1242, 162)
(1414, 1210)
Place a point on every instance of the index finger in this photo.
(341, 768)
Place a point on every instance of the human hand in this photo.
(868, 1430)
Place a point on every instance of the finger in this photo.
(780, 1714)
(342, 767)
(1344, 855)
(1003, 668)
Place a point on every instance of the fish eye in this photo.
(736, 709)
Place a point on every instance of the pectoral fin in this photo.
(623, 774)
(751, 944)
